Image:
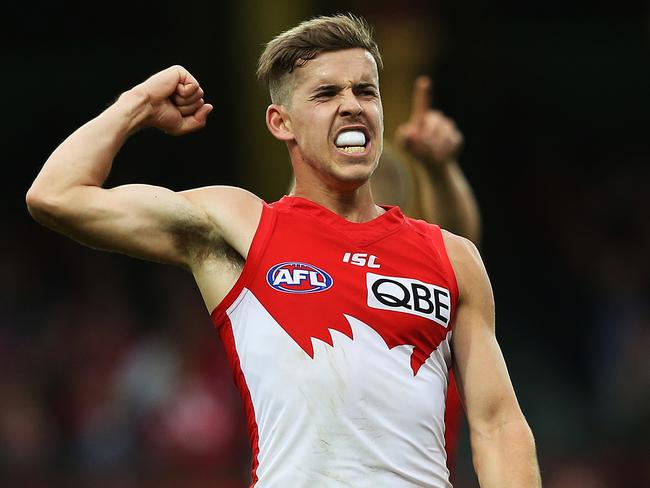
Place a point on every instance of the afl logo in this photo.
(293, 277)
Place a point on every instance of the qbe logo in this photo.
(292, 277)
(409, 296)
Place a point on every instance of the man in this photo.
(339, 344)
(420, 174)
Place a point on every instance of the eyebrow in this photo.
(331, 86)
(364, 85)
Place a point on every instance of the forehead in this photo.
(338, 67)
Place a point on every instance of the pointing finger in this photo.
(421, 101)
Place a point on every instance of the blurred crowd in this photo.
(101, 385)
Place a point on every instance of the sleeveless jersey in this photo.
(338, 334)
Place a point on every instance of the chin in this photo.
(356, 162)
(352, 177)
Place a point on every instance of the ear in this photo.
(279, 122)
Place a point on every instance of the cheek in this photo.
(378, 110)
(314, 129)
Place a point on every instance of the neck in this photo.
(355, 205)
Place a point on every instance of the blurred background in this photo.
(111, 374)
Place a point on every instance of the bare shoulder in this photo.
(467, 263)
(234, 211)
(223, 196)
(462, 252)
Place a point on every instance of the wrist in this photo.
(441, 168)
(133, 108)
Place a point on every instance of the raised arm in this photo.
(433, 141)
(144, 221)
(503, 449)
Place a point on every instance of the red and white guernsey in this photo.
(339, 334)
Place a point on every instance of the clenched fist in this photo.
(175, 101)
(428, 135)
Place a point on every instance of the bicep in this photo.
(143, 221)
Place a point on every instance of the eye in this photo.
(368, 92)
(324, 94)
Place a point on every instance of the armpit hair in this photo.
(200, 241)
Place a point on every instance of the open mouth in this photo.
(353, 141)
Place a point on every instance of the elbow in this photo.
(35, 202)
(43, 207)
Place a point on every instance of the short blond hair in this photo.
(295, 47)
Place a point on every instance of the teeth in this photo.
(353, 149)
(351, 138)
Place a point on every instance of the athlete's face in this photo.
(333, 93)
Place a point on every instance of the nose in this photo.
(350, 106)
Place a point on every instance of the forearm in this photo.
(505, 457)
(454, 203)
(86, 156)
